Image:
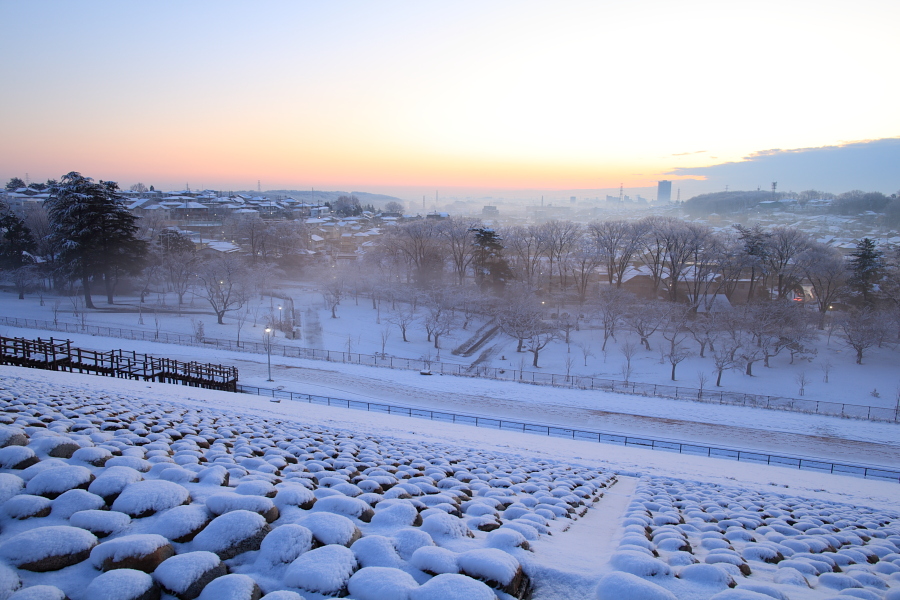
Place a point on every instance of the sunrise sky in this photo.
(405, 96)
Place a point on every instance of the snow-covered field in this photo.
(113, 488)
(359, 328)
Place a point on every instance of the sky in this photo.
(408, 97)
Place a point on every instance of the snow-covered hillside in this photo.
(127, 486)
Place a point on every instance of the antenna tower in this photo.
(258, 186)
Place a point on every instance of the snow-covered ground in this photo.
(359, 329)
(396, 503)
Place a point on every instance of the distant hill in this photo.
(726, 202)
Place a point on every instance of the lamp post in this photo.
(267, 336)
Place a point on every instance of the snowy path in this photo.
(571, 564)
(773, 432)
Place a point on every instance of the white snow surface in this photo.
(41, 542)
(118, 584)
(817, 521)
(180, 571)
(379, 583)
(139, 544)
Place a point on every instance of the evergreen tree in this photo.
(14, 184)
(17, 246)
(490, 266)
(866, 269)
(96, 232)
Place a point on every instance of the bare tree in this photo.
(784, 246)
(702, 379)
(385, 335)
(224, 281)
(628, 349)
(617, 242)
(333, 293)
(585, 351)
(520, 317)
(403, 317)
(439, 319)
(538, 338)
(526, 247)
(240, 320)
(826, 270)
(802, 381)
(646, 319)
(862, 330)
(559, 239)
(826, 368)
(612, 305)
(457, 237)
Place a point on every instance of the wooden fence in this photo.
(59, 355)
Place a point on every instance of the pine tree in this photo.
(866, 269)
(17, 246)
(96, 232)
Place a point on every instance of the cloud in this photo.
(688, 153)
(870, 165)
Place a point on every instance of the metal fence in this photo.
(857, 411)
(754, 456)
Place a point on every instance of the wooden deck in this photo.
(58, 355)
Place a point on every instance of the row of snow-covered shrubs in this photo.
(112, 497)
(738, 544)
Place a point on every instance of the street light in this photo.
(267, 337)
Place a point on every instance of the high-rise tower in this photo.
(664, 191)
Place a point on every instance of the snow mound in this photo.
(325, 570)
(26, 506)
(379, 583)
(185, 575)
(506, 539)
(113, 480)
(622, 586)
(294, 495)
(219, 504)
(231, 587)
(345, 505)
(400, 513)
(375, 551)
(39, 592)
(120, 584)
(96, 457)
(329, 528)
(232, 534)
(282, 595)
(182, 523)
(56, 480)
(144, 498)
(12, 436)
(639, 564)
(454, 587)
(706, 575)
(48, 548)
(143, 551)
(740, 594)
(489, 564)
(408, 540)
(9, 580)
(100, 522)
(285, 544)
(442, 526)
(73, 501)
(434, 560)
(17, 457)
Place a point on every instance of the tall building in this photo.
(664, 191)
